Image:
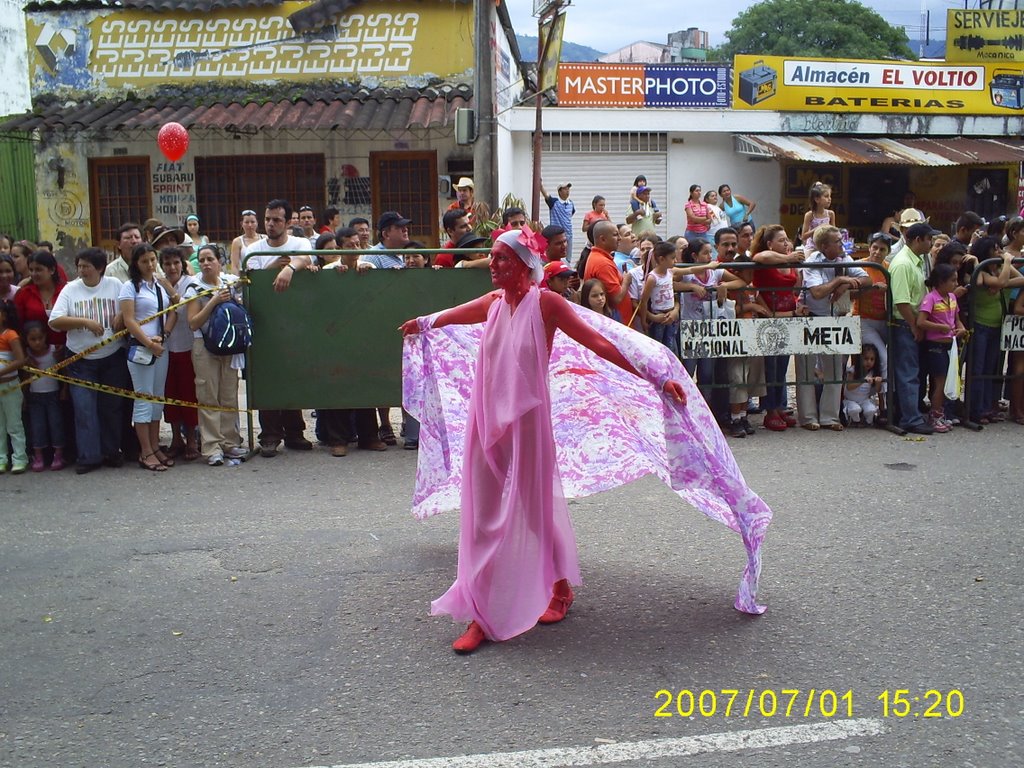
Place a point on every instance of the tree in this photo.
(840, 29)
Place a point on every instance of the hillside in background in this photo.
(570, 51)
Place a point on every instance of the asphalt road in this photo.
(276, 614)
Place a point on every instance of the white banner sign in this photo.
(1012, 337)
(766, 337)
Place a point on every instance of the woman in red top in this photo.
(698, 216)
(35, 299)
(779, 286)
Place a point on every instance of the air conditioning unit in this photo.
(465, 126)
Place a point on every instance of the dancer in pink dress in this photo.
(517, 551)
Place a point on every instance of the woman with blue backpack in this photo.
(220, 334)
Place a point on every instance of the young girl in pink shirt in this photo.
(941, 323)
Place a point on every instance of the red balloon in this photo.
(173, 141)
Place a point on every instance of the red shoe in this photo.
(469, 640)
(559, 605)
(790, 421)
(775, 422)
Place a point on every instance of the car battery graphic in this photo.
(1007, 89)
(758, 83)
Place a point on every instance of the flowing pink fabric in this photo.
(610, 428)
(515, 538)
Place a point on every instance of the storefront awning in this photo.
(882, 151)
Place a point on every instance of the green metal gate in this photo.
(18, 214)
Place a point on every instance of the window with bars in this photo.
(119, 191)
(605, 142)
(407, 182)
(227, 185)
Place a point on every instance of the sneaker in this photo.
(3, 468)
(216, 459)
(411, 445)
(746, 426)
(19, 467)
(238, 452)
(736, 428)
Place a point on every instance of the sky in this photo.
(608, 24)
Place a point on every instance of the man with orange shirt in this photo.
(601, 265)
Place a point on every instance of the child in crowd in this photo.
(12, 358)
(638, 275)
(819, 213)
(46, 418)
(639, 181)
(592, 296)
(864, 382)
(941, 323)
(596, 214)
(659, 308)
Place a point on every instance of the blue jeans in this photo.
(45, 420)
(149, 380)
(775, 369)
(984, 363)
(906, 372)
(666, 334)
(98, 415)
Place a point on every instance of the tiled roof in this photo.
(345, 109)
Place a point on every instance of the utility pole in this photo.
(544, 10)
(484, 170)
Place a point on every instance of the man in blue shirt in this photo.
(562, 209)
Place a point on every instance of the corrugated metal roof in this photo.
(882, 151)
(379, 109)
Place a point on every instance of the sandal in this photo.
(811, 426)
(158, 467)
(191, 453)
(162, 458)
(173, 450)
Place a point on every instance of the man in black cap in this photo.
(393, 231)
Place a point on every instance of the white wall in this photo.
(14, 91)
(707, 159)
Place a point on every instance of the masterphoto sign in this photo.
(788, 84)
(600, 84)
(769, 336)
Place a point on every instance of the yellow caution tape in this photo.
(121, 392)
(36, 373)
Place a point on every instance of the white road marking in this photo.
(653, 749)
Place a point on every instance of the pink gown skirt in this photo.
(516, 539)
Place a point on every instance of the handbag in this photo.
(137, 352)
(953, 386)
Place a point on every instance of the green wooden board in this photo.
(331, 339)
